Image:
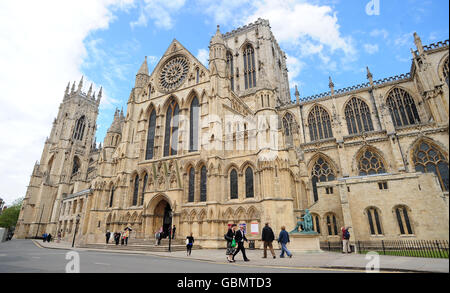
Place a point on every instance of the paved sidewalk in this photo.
(304, 260)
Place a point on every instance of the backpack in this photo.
(346, 235)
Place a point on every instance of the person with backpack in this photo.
(345, 240)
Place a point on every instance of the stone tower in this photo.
(63, 167)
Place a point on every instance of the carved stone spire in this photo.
(369, 76)
(331, 85)
(297, 95)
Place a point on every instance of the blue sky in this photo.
(53, 42)
(381, 42)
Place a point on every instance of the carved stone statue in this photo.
(305, 223)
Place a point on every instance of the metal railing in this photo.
(413, 248)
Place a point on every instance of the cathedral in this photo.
(203, 147)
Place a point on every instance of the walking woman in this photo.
(230, 237)
(189, 244)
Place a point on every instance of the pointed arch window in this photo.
(374, 221)
(321, 172)
(316, 223)
(171, 130)
(370, 163)
(135, 191)
(289, 126)
(427, 158)
(191, 190)
(357, 115)
(319, 124)
(111, 199)
(233, 184)
(249, 67)
(230, 67)
(79, 128)
(151, 136)
(445, 71)
(203, 183)
(141, 202)
(403, 220)
(194, 127)
(76, 165)
(402, 108)
(332, 225)
(249, 188)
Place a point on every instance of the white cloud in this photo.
(160, 11)
(294, 66)
(41, 49)
(371, 49)
(379, 32)
(203, 56)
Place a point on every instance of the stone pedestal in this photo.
(304, 242)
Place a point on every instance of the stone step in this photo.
(139, 247)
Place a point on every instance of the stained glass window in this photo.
(402, 108)
(445, 71)
(171, 132)
(203, 181)
(357, 115)
(249, 191)
(370, 163)
(403, 221)
(427, 158)
(332, 225)
(151, 136)
(289, 126)
(191, 190)
(136, 190)
(143, 189)
(319, 124)
(233, 184)
(194, 129)
(373, 217)
(249, 67)
(111, 199)
(321, 172)
(230, 66)
(79, 128)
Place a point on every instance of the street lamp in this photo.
(170, 229)
(76, 229)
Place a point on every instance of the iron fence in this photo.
(414, 248)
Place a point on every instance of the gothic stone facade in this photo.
(225, 144)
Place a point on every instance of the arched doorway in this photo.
(161, 217)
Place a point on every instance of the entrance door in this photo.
(162, 217)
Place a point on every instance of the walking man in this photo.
(283, 239)
(268, 237)
(108, 235)
(240, 237)
(173, 231)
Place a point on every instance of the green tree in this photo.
(10, 215)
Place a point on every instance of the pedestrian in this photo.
(283, 239)
(59, 237)
(108, 235)
(160, 236)
(229, 238)
(173, 231)
(345, 240)
(44, 237)
(189, 244)
(49, 237)
(156, 238)
(126, 235)
(240, 238)
(117, 237)
(267, 237)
